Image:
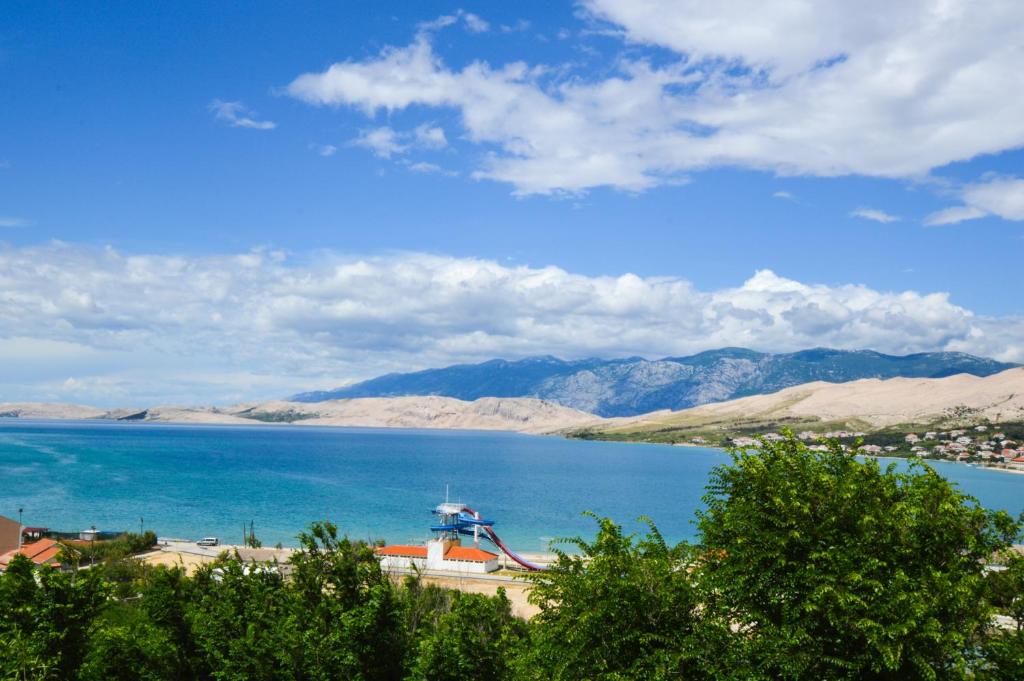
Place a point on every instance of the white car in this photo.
(208, 541)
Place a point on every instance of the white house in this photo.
(438, 554)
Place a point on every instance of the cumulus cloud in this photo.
(875, 215)
(430, 136)
(996, 195)
(237, 115)
(145, 328)
(474, 24)
(879, 89)
(386, 142)
(383, 142)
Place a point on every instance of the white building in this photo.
(438, 554)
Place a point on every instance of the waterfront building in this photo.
(42, 552)
(440, 554)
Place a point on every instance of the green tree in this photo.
(129, 647)
(830, 567)
(477, 638)
(347, 612)
(164, 595)
(239, 622)
(45, 616)
(621, 609)
(1002, 649)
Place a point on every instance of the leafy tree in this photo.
(239, 621)
(621, 609)
(45, 616)
(476, 639)
(164, 595)
(1006, 587)
(1002, 657)
(129, 648)
(345, 609)
(1002, 650)
(830, 567)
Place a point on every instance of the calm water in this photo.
(191, 481)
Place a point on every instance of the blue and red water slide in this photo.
(465, 523)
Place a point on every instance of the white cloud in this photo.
(879, 90)
(424, 167)
(8, 221)
(147, 328)
(1002, 196)
(996, 195)
(874, 214)
(472, 23)
(475, 24)
(430, 137)
(784, 195)
(386, 142)
(517, 27)
(383, 142)
(951, 216)
(237, 115)
(325, 149)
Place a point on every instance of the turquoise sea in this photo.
(192, 481)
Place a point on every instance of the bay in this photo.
(190, 481)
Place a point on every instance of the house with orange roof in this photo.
(42, 552)
(443, 555)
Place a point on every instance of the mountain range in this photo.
(635, 385)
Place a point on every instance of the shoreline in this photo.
(255, 423)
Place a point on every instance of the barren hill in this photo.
(488, 413)
(868, 403)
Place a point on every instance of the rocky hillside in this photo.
(627, 387)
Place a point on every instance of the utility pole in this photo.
(21, 529)
(140, 526)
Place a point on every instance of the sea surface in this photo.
(188, 481)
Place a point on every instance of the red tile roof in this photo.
(402, 550)
(468, 553)
(39, 552)
(454, 552)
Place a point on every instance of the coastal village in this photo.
(982, 445)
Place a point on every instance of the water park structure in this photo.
(445, 551)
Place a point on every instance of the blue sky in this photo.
(607, 140)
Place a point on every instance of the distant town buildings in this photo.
(973, 445)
